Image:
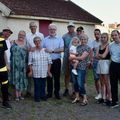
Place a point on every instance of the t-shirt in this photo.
(73, 49)
(3, 47)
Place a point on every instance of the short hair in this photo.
(32, 24)
(53, 26)
(115, 31)
(97, 30)
(37, 38)
(84, 36)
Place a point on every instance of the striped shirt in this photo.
(39, 60)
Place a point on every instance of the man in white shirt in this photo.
(30, 43)
(31, 35)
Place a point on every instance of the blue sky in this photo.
(106, 10)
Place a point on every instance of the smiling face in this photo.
(37, 42)
(84, 39)
(104, 38)
(115, 36)
(97, 34)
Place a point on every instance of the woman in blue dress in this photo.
(18, 59)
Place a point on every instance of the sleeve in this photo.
(4, 46)
(30, 58)
(49, 59)
(61, 43)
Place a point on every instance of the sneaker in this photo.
(6, 105)
(114, 105)
(100, 101)
(21, 98)
(99, 96)
(74, 71)
(66, 93)
(17, 99)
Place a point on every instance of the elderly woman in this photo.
(40, 64)
(83, 51)
(19, 64)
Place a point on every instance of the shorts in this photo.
(103, 67)
(96, 76)
(3, 76)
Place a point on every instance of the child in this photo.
(73, 52)
(40, 64)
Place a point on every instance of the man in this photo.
(54, 45)
(4, 74)
(115, 66)
(31, 35)
(30, 43)
(6, 35)
(67, 40)
(79, 30)
(94, 45)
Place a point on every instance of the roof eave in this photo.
(50, 18)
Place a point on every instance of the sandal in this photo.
(84, 103)
(76, 100)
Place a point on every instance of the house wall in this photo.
(23, 24)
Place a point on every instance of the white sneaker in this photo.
(74, 71)
(98, 96)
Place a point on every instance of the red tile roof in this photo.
(50, 8)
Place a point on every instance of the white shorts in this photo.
(103, 67)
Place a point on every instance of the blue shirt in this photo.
(115, 52)
(53, 43)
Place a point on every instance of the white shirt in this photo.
(73, 49)
(39, 60)
(8, 50)
(30, 38)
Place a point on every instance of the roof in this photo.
(60, 9)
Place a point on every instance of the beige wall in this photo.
(23, 24)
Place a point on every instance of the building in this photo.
(17, 14)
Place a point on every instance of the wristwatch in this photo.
(52, 51)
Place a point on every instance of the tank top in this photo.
(101, 51)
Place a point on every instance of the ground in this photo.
(62, 109)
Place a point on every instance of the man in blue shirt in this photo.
(54, 45)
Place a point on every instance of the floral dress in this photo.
(18, 65)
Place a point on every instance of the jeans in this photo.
(96, 76)
(81, 81)
(39, 88)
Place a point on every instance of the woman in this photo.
(83, 51)
(103, 56)
(19, 64)
(40, 64)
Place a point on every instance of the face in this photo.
(52, 31)
(75, 42)
(71, 29)
(83, 40)
(33, 29)
(37, 43)
(80, 32)
(104, 38)
(97, 35)
(115, 36)
(6, 34)
(21, 36)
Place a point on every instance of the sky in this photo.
(106, 10)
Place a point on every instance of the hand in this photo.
(30, 74)
(49, 74)
(48, 51)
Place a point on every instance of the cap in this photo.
(80, 28)
(7, 30)
(71, 24)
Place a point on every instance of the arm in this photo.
(105, 53)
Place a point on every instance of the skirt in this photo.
(103, 67)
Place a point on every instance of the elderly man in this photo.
(67, 40)
(30, 36)
(54, 45)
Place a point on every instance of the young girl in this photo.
(103, 68)
(73, 52)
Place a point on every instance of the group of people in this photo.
(34, 58)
